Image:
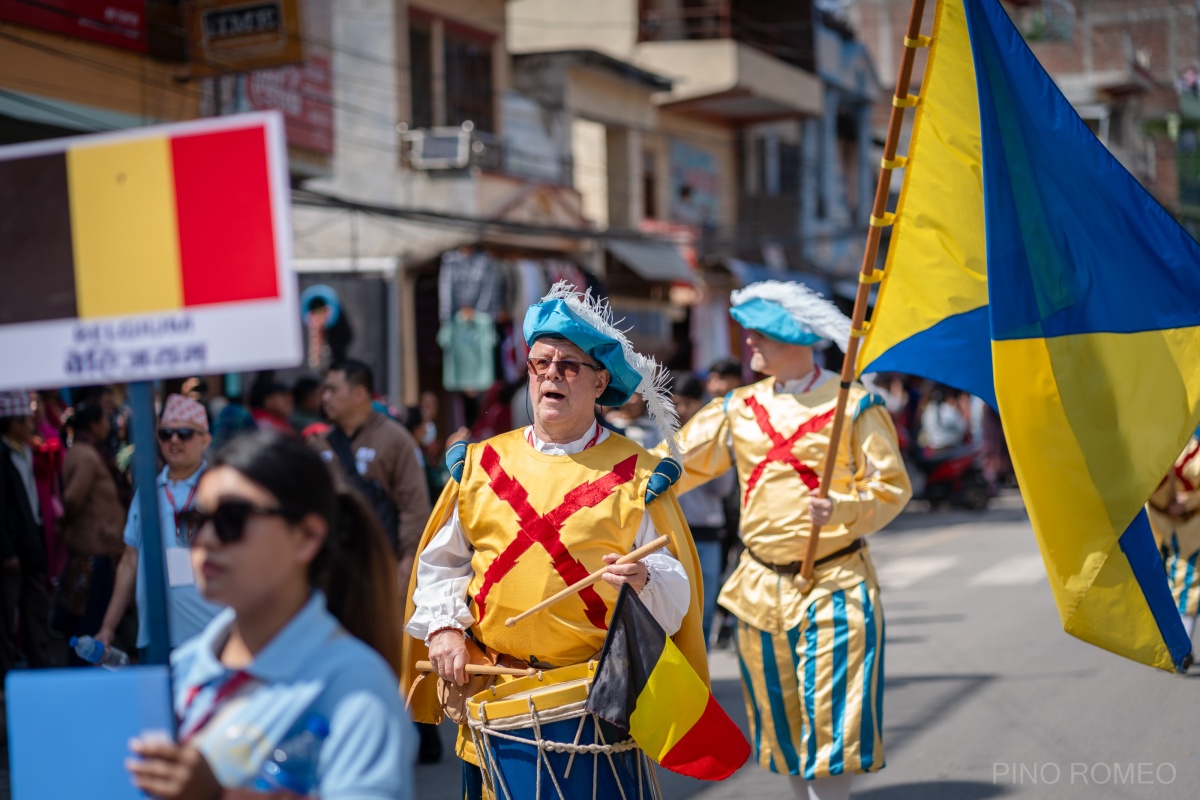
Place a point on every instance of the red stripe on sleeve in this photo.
(223, 205)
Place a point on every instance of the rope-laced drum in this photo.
(535, 740)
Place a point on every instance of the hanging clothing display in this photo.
(467, 279)
(468, 342)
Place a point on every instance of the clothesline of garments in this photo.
(473, 278)
(479, 296)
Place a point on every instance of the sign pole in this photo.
(152, 555)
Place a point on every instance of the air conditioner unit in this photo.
(439, 148)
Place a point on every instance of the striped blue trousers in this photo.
(1184, 576)
(814, 694)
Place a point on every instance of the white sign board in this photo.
(151, 253)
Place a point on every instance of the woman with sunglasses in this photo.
(306, 648)
(183, 438)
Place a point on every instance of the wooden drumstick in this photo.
(481, 669)
(628, 558)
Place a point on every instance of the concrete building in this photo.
(650, 145)
(64, 74)
(1127, 66)
(760, 143)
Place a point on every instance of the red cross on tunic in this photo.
(781, 449)
(545, 529)
(1183, 481)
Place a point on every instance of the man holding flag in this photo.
(1056, 288)
(812, 662)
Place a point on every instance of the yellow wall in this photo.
(97, 75)
(590, 148)
(609, 26)
(719, 140)
(606, 98)
(703, 68)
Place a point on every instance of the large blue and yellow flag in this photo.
(1028, 267)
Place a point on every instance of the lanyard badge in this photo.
(183, 532)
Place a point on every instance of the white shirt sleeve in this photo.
(667, 594)
(443, 575)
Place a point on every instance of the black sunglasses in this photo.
(184, 434)
(540, 366)
(228, 519)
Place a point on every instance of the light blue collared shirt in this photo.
(187, 611)
(312, 668)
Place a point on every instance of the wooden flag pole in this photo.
(880, 219)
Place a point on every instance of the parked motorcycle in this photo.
(953, 478)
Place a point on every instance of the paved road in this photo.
(985, 697)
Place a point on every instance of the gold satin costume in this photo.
(538, 523)
(812, 665)
(1179, 536)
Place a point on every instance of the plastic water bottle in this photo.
(95, 652)
(293, 763)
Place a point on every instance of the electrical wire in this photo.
(314, 199)
(333, 47)
(388, 147)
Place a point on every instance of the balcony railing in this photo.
(792, 42)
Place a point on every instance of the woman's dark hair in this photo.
(688, 385)
(85, 416)
(355, 568)
(303, 389)
(726, 368)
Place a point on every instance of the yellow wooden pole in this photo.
(880, 219)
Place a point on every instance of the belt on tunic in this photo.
(792, 569)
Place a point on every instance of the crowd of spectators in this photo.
(71, 537)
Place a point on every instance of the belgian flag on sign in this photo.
(644, 685)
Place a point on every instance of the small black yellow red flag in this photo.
(644, 685)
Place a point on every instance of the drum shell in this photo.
(506, 723)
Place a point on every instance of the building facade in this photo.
(1129, 68)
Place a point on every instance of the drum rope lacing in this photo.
(557, 747)
(543, 745)
(567, 747)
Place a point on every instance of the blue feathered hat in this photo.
(790, 312)
(587, 323)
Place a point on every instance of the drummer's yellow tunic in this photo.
(811, 664)
(1179, 537)
(538, 523)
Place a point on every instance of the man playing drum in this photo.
(812, 662)
(532, 511)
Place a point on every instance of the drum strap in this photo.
(453, 697)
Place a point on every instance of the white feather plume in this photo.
(803, 305)
(655, 385)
